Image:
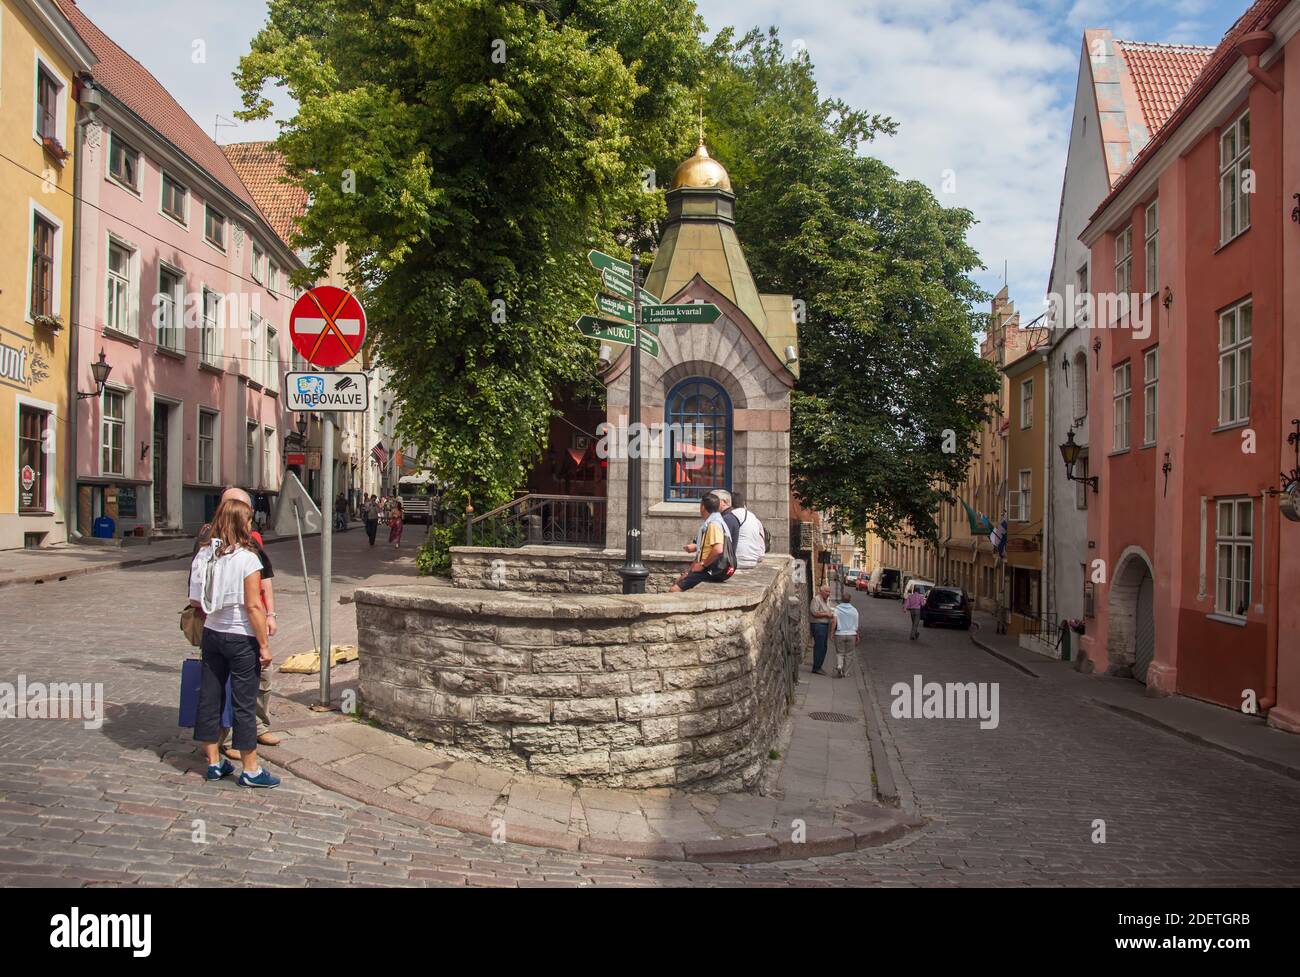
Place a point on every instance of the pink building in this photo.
(181, 283)
(1197, 381)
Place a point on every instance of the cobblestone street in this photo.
(1012, 805)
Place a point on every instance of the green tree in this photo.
(889, 373)
(466, 154)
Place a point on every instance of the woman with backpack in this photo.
(226, 583)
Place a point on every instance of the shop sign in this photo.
(22, 366)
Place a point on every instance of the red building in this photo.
(1190, 257)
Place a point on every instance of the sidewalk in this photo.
(818, 800)
(1248, 738)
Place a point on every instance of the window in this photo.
(1123, 398)
(1235, 179)
(123, 162)
(1081, 291)
(1026, 404)
(47, 103)
(272, 277)
(214, 227)
(1079, 378)
(32, 425)
(253, 370)
(1234, 530)
(1150, 403)
(1124, 262)
(1019, 503)
(699, 440)
(173, 198)
(207, 447)
(1081, 489)
(113, 433)
(210, 350)
(168, 304)
(1153, 247)
(257, 263)
(250, 453)
(272, 378)
(268, 442)
(1234, 363)
(118, 314)
(44, 235)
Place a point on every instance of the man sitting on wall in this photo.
(713, 547)
(746, 529)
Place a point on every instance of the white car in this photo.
(921, 586)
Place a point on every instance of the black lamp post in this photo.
(301, 424)
(100, 371)
(1070, 452)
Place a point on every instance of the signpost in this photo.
(681, 315)
(345, 392)
(617, 284)
(327, 326)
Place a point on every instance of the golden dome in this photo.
(701, 172)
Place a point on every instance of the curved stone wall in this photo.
(634, 691)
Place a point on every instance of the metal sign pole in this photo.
(326, 552)
(633, 570)
(306, 580)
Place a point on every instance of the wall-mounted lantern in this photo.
(1070, 452)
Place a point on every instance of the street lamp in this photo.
(1070, 452)
(301, 424)
(100, 371)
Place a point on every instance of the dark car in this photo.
(946, 605)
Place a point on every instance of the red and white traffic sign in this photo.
(327, 326)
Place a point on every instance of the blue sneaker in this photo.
(264, 778)
(216, 771)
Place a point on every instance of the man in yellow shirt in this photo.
(709, 546)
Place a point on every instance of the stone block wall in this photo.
(680, 690)
(558, 570)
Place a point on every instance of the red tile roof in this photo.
(132, 85)
(262, 170)
(1256, 18)
(1162, 75)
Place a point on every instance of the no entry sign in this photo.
(327, 326)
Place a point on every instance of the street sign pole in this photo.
(633, 571)
(326, 553)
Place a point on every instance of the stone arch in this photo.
(1133, 566)
(723, 377)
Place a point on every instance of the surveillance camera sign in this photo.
(327, 391)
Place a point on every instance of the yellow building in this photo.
(40, 59)
(1026, 450)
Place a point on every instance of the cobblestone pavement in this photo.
(1015, 805)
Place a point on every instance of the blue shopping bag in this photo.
(191, 679)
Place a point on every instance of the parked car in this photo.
(917, 584)
(851, 577)
(946, 605)
(887, 582)
(864, 581)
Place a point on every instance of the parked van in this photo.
(917, 584)
(887, 582)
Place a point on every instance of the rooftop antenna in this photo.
(220, 121)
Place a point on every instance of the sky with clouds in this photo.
(980, 88)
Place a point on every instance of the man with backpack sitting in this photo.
(714, 549)
(752, 541)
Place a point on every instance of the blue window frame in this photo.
(698, 415)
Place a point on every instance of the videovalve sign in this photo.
(346, 392)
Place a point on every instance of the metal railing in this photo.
(546, 520)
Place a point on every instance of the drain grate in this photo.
(832, 717)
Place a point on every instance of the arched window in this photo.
(1079, 378)
(698, 415)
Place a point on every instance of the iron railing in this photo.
(545, 520)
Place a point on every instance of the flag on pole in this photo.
(379, 454)
(979, 525)
(998, 539)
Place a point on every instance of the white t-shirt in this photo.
(846, 619)
(225, 606)
(750, 545)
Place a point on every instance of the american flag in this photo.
(380, 455)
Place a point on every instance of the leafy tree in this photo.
(466, 154)
(888, 362)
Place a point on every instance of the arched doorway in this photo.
(1131, 644)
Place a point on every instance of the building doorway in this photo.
(1131, 643)
(161, 416)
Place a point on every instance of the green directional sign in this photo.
(619, 309)
(601, 260)
(621, 286)
(615, 332)
(678, 315)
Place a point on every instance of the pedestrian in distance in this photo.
(372, 518)
(341, 512)
(822, 617)
(713, 548)
(395, 524)
(912, 605)
(846, 634)
(226, 583)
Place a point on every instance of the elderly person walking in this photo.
(912, 605)
(226, 582)
(822, 617)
